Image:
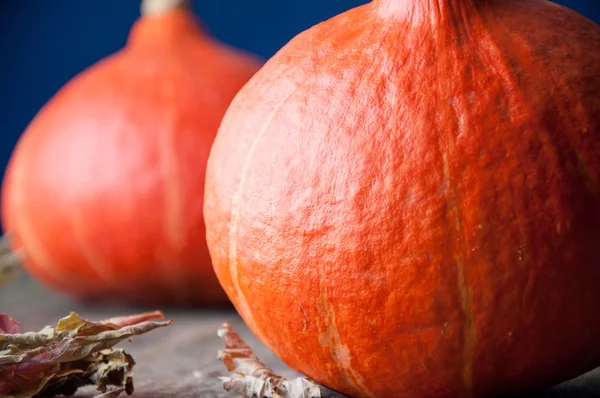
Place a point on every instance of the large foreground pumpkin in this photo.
(405, 201)
(104, 190)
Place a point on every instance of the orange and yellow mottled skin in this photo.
(104, 190)
(404, 202)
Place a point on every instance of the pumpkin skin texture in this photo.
(404, 201)
(104, 191)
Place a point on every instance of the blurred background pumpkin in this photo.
(103, 192)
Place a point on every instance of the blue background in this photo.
(43, 43)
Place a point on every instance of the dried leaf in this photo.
(75, 353)
(128, 320)
(9, 325)
(112, 393)
(252, 378)
(10, 261)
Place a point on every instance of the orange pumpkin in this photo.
(405, 200)
(104, 189)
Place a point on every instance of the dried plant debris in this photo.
(251, 378)
(76, 353)
(10, 261)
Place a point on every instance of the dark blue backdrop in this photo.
(43, 43)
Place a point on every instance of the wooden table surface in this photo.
(180, 360)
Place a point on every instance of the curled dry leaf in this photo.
(252, 378)
(10, 261)
(8, 325)
(128, 320)
(77, 352)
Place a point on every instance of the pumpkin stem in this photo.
(152, 7)
(420, 8)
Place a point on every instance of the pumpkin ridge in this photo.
(469, 334)
(448, 136)
(340, 353)
(35, 251)
(464, 289)
(173, 229)
(582, 122)
(517, 96)
(466, 304)
(173, 218)
(505, 71)
(490, 54)
(236, 203)
(94, 259)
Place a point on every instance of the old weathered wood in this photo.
(181, 360)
